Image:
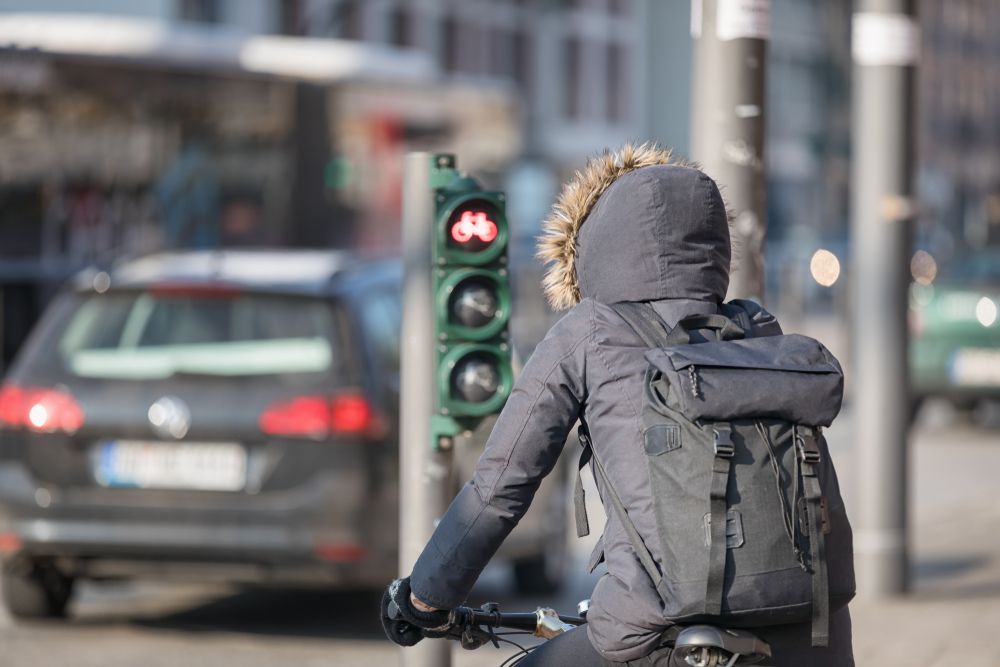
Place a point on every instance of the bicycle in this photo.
(699, 645)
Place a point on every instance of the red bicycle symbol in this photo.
(474, 224)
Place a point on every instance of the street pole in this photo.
(884, 45)
(423, 473)
(728, 122)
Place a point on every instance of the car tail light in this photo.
(9, 543)
(39, 409)
(340, 552)
(350, 413)
(319, 416)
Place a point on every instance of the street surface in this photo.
(949, 619)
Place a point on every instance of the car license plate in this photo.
(975, 367)
(217, 466)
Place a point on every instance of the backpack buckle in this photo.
(724, 443)
(808, 450)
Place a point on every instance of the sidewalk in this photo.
(952, 614)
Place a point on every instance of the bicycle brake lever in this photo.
(473, 637)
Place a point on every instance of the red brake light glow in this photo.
(340, 552)
(306, 415)
(318, 416)
(350, 413)
(474, 224)
(9, 543)
(39, 409)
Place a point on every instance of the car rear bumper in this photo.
(321, 532)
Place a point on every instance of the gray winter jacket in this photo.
(657, 233)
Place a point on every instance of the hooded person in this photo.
(635, 225)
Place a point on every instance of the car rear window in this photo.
(157, 334)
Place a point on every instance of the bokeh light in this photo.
(102, 281)
(338, 173)
(825, 267)
(986, 311)
(923, 267)
(921, 295)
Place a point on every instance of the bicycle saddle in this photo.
(745, 647)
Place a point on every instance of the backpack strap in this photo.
(638, 545)
(719, 514)
(809, 457)
(737, 312)
(644, 320)
(653, 331)
(579, 497)
(728, 330)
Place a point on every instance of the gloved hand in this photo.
(415, 624)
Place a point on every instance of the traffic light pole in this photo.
(728, 122)
(423, 472)
(884, 48)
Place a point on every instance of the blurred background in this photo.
(178, 175)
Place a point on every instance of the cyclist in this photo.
(635, 225)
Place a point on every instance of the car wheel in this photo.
(542, 574)
(41, 593)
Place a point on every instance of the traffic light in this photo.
(472, 302)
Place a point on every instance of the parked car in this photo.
(225, 415)
(955, 332)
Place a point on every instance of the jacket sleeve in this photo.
(523, 447)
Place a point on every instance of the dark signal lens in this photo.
(473, 303)
(472, 227)
(475, 379)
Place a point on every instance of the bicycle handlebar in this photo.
(467, 624)
(518, 621)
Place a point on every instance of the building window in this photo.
(292, 17)
(619, 7)
(349, 20)
(401, 25)
(500, 57)
(200, 11)
(521, 46)
(572, 53)
(617, 83)
(449, 45)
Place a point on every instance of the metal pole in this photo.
(728, 122)
(423, 473)
(884, 47)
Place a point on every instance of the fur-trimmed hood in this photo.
(656, 228)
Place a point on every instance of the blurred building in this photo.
(102, 159)
(121, 136)
(958, 127)
(808, 158)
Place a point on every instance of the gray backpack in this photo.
(751, 524)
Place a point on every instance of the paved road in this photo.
(956, 542)
(195, 626)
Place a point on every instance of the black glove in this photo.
(415, 624)
(400, 631)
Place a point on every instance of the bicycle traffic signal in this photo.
(472, 300)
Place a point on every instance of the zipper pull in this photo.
(694, 382)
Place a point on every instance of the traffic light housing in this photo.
(472, 301)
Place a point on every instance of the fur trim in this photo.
(557, 245)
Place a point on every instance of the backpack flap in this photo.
(791, 377)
